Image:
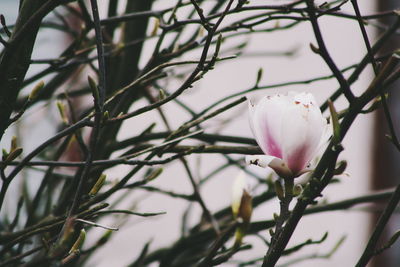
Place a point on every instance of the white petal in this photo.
(278, 165)
(327, 133)
(259, 160)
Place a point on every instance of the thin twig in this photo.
(82, 123)
(385, 106)
(325, 54)
(96, 224)
(99, 105)
(364, 62)
(141, 214)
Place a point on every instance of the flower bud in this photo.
(241, 199)
(242, 207)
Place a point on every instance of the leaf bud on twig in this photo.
(154, 174)
(5, 154)
(95, 89)
(340, 167)
(314, 49)
(13, 143)
(35, 91)
(61, 110)
(14, 154)
(161, 95)
(297, 190)
(98, 185)
(79, 242)
(335, 123)
(259, 76)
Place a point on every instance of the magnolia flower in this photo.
(289, 129)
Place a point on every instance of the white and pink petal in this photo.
(289, 128)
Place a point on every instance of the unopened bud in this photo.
(314, 49)
(218, 44)
(340, 167)
(259, 76)
(95, 89)
(79, 242)
(242, 206)
(335, 122)
(154, 174)
(98, 185)
(200, 33)
(14, 154)
(246, 207)
(271, 232)
(155, 27)
(161, 94)
(297, 190)
(239, 234)
(36, 90)
(5, 154)
(13, 143)
(106, 115)
(105, 237)
(238, 193)
(61, 110)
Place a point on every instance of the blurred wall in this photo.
(386, 157)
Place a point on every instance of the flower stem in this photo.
(284, 213)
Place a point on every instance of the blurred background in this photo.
(283, 56)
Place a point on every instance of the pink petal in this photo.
(265, 122)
